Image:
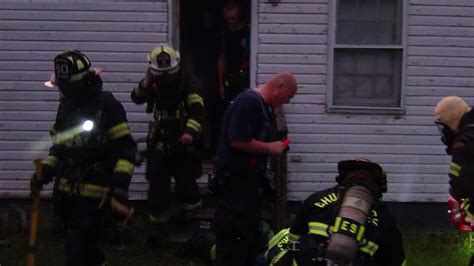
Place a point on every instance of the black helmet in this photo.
(74, 77)
(71, 66)
(345, 168)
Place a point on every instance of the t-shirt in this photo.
(236, 49)
(243, 120)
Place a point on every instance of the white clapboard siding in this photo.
(292, 36)
(114, 34)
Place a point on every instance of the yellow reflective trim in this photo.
(370, 248)
(337, 224)
(455, 169)
(276, 238)
(337, 227)
(169, 51)
(159, 219)
(160, 49)
(118, 131)
(404, 263)
(80, 65)
(294, 263)
(360, 233)
(294, 237)
(194, 98)
(193, 124)
(317, 228)
(50, 161)
(192, 206)
(212, 254)
(278, 257)
(454, 173)
(320, 229)
(163, 115)
(85, 190)
(455, 165)
(124, 166)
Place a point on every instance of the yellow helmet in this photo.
(164, 59)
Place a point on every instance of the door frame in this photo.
(174, 32)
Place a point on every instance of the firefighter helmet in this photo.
(449, 111)
(164, 59)
(74, 77)
(346, 167)
(71, 66)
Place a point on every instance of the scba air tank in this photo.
(349, 226)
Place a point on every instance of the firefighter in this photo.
(174, 143)
(92, 158)
(455, 121)
(346, 224)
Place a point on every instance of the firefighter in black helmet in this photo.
(174, 137)
(344, 225)
(91, 157)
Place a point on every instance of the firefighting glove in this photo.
(37, 182)
(148, 79)
(35, 186)
(467, 210)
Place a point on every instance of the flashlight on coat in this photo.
(88, 125)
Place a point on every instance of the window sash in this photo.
(367, 77)
(369, 22)
(373, 89)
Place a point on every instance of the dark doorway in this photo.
(201, 26)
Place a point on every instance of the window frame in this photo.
(332, 46)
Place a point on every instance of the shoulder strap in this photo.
(266, 119)
(262, 106)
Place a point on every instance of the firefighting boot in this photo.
(157, 229)
(187, 213)
(199, 246)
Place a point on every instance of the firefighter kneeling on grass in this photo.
(91, 157)
(174, 139)
(343, 225)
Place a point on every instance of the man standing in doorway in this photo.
(248, 138)
(233, 66)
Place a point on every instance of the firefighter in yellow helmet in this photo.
(92, 158)
(347, 224)
(455, 121)
(174, 139)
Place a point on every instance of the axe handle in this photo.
(34, 219)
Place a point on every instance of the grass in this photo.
(437, 248)
(50, 249)
(423, 247)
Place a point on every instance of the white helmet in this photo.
(164, 59)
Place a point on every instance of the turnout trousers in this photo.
(184, 167)
(84, 231)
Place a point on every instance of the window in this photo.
(367, 55)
